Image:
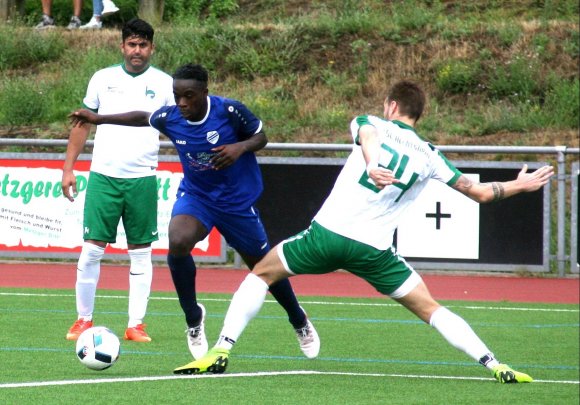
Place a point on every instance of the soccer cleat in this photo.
(196, 340)
(109, 8)
(137, 334)
(75, 23)
(506, 375)
(46, 23)
(77, 328)
(308, 339)
(215, 361)
(93, 24)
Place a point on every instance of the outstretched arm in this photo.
(228, 154)
(495, 191)
(131, 118)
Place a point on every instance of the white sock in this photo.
(460, 335)
(245, 305)
(140, 277)
(88, 272)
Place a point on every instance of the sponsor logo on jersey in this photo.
(181, 142)
(114, 89)
(213, 137)
(149, 93)
(200, 162)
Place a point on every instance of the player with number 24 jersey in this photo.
(372, 215)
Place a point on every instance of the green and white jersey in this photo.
(357, 209)
(123, 151)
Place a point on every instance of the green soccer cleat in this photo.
(506, 375)
(215, 361)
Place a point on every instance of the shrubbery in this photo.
(487, 66)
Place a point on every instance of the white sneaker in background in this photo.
(93, 24)
(109, 8)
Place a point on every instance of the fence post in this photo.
(561, 176)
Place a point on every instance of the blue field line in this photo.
(317, 319)
(406, 362)
(301, 358)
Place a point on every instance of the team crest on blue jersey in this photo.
(213, 137)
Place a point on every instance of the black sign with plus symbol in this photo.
(438, 215)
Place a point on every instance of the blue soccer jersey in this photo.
(227, 121)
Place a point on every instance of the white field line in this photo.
(257, 374)
(303, 301)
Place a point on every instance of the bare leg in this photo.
(47, 7)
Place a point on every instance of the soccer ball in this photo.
(98, 348)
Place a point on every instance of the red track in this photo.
(443, 287)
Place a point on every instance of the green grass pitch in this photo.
(373, 352)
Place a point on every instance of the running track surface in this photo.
(338, 284)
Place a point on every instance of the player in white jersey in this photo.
(122, 182)
(387, 169)
(373, 216)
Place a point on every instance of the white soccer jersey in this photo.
(123, 151)
(357, 209)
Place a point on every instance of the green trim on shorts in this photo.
(319, 251)
(109, 200)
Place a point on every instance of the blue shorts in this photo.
(242, 229)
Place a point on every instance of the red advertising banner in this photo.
(37, 221)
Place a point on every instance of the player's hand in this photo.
(382, 177)
(69, 181)
(535, 180)
(80, 117)
(226, 155)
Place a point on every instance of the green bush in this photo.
(305, 66)
(183, 10)
(27, 48)
(415, 15)
(571, 44)
(518, 80)
(361, 50)
(457, 76)
(22, 102)
(193, 45)
(562, 103)
(507, 34)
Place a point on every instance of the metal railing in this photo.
(560, 153)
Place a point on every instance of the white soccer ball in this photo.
(98, 348)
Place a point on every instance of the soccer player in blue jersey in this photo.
(215, 138)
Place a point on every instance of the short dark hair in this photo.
(191, 71)
(410, 97)
(136, 27)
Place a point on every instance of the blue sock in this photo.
(183, 273)
(283, 293)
